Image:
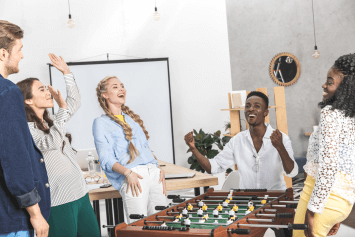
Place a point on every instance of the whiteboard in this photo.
(148, 95)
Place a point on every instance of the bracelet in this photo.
(128, 174)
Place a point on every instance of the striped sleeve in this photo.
(54, 139)
(73, 96)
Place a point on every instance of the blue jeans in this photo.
(19, 234)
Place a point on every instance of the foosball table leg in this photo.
(109, 217)
(197, 191)
(118, 210)
(96, 205)
(205, 189)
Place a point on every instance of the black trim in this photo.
(129, 61)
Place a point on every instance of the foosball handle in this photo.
(160, 208)
(136, 216)
(293, 205)
(297, 227)
(179, 200)
(284, 215)
(173, 196)
(239, 231)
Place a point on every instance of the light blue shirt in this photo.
(112, 146)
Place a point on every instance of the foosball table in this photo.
(254, 211)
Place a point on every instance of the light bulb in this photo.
(289, 60)
(315, 54)
(70, 23)
(156, 15)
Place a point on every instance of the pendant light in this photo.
(156, 15)
(315, 54)
(70, 23)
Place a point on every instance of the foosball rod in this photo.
(264, 209)
(213, 223)
(224, 197)
(292, 205)
(289, 226)
(281, 215)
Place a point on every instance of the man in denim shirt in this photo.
(24, 189)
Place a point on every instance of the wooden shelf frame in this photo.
(280, 111)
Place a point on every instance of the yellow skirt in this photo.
(336, 210)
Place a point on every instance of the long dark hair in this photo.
(26, 89)
(344, 97)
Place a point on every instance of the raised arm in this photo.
(328, 160)
(73, 100)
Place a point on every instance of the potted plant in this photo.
(204, 144)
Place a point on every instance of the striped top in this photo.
(64, 174)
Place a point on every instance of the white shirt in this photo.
(331, 159)
(240, 150)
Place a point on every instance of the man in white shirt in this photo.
(261, 153)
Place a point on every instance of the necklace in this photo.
(257, 159)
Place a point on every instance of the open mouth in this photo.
(325, 93)
(252, 116)
(121, 95)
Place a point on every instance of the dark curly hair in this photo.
(344, 97)
(26, 89)
(261, 95)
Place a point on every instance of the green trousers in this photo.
(73, 219)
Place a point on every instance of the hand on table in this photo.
(309, 221)
(334, 229)
(190, 141)
(276, 139)
(162, 179)
(59, 64)
(133, 183)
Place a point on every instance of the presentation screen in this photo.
(148, 95)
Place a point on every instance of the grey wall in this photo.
(259, 29)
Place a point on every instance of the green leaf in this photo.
(189, 150)
(211, 154)
(194, 166)
(191, 160)
(218, 133)
(199, 137)
(229, 170)
(195, 132)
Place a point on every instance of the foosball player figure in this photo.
(200, 212)
(230, 195)
(233, 218)
(200, 203)
(176, 219)
(250, 203)
(219, 208)
(215, 212)
(225, 204)
(235, 208)
(189, 206)
(251, 208)
(204, 207)
(184, 212)
(231, 212)
(205, 217)
(264, 201)
(179, 216)
(164, 223)
(229, 221)
(187, 222)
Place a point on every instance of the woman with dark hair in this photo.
(71, 212)
(329, 192)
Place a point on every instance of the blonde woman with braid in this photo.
(121, 142)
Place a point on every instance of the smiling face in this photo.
(13, 58)
(116, 93)
(41, 98)
(255, 110)
(334, 78)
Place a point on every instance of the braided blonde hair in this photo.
(102, 88)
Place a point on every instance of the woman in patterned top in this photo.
(71, 212)
(329, 192)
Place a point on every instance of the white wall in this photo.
(193, 34)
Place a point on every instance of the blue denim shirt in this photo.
(112, 146)
(23, 175)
